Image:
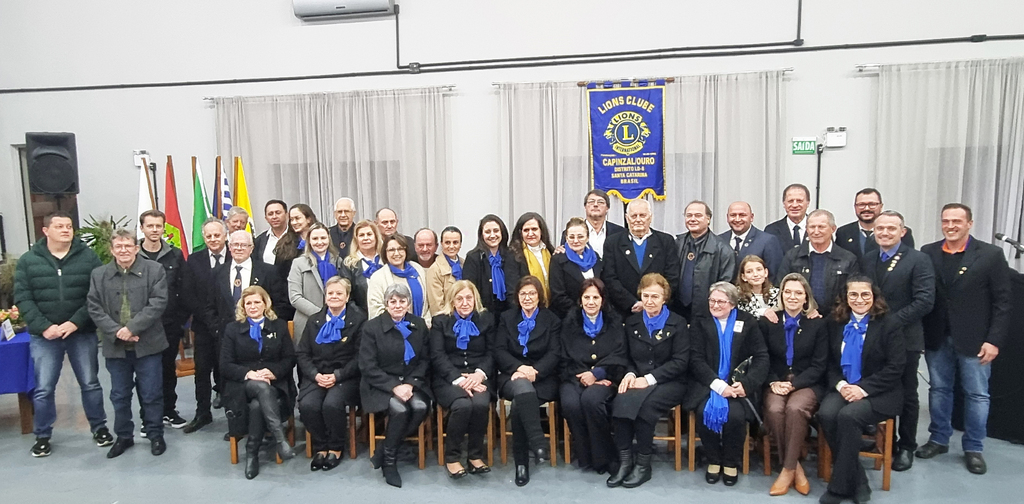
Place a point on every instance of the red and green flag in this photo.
(200, 208)
(172, 225)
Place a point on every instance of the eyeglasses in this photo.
(394, 250)
(867, 205)
(528, 294)
(123, 247)
(716, 302)
(241, 246)
(861, 295)
(595, 202)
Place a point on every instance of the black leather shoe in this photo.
(390, 468)
(157, 446)
(284, 450)
(461, 473)
(216, 401)
(120, 446)
(930, 449)
(252, 462)
(541, 455)
(522, 474)
(331, 461)
(378, 457)
(625, 467)
(317, 463)
(830, 498)
(712, 477)
(975, 462)
(197, 423)
(730, 480)
(903, 460)
(641, 471)
(483, 469)
(227, 436)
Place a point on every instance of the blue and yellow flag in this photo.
(627, 139)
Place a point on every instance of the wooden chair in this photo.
(675, 435)
(289, 431)
(882, 454)
(184, 366)
(552, 433)
(423, 435)
(692, 445)
(441, 435)
(766, 450)
(352, 415)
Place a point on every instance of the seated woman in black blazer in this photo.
(655, 382)
(460, 352)
(526, 351)
(724, 343)
(256, 362)
(394, 359)
(593, 362)
(865, 366)
(568, 271)
(327, 355)
(797, 353)
(492, 267)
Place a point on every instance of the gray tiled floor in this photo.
(195, 469)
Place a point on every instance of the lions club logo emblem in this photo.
(627, 132)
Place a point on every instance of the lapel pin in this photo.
(849, 240)
(344, 339)
(627, 252)
(689, 256)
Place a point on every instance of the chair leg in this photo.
(351, 432)
(766, 452)
(490, 436)
(746, 452)
(677, 445)
(440, 436)
(233, 441)
(567, 438)
(422, 442)
(291, 430)
(887, 456)
(503, 434)
(309, 444)
(824, 457)
(691, 442)
(553, 438)
(372, 425)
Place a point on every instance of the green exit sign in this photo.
(805, 145)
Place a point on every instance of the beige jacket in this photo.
(439, 279)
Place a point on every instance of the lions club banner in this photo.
(626, 140)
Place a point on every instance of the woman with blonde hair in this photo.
(310, 272)
(362, 260)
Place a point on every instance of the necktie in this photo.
(216, 260)
(236, 291)
(736, 248)
(796, 235)
(885, 256)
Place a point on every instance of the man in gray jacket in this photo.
(126, 301)
(704, 259)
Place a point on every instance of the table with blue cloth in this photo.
(17, 376)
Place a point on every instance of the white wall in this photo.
(125, 41)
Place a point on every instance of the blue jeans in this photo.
(48, 360)
(942, 366)
(147, 373)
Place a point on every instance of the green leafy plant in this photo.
(98, 234)
(7, 269)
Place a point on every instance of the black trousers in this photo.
(467, 415)
(626, 430)
(207, 359)
(264, 412)
(404, 417)
(527, 431)
(725, 449)
(911, 405)
(586, 409)
(844, 424)
(323, 413)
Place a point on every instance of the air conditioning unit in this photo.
(309, 10)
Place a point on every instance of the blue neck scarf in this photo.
(585, 261)
(302, 244)
(464, 329)
(372, 266)
(657, 323)
(525, 327)
(403, 327)
(853, 346)
(256, 331)
(791, 325)
(325, 267)
(412, 277)
(330, 332)
(716, 411)
(456, 267)
(497, 276)
(592, 328)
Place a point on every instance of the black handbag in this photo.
(738, 374)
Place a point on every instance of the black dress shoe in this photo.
(472, 469)
(120, 446)
(975, 462)
(712, 477)
(930, 449)
(331, 461)
(227, 436)
(730, 480)
(157, 446)
(522, 474)
(252, 463)
(461, 473)
(197, 423)
(903, 460)
(830, 498)
(216, 401)
(317, 463)
(541, 455)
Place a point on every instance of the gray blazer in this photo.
(147, 295)
(306, 290)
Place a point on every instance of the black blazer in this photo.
(605, 353)
(259, 245)
(544, 350)
(622, 273)
(848, 237)
(810, 353)
(763, 245)
(382, 360)
(220, 308)
(358, 285)
(840, 266)
(882, 362)
(975, 307)
(477, 269)
(198, 278)
(340, 358)
(240, 354)
(342, 239)
(782, 230)
(747, 342)
(565, 280)
(665, 355)
(449, 361)
(907, 281)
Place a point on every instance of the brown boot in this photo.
(782, 484)
(800, 482)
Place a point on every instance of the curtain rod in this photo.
(867, 67)
(667, 79)
(444, 87)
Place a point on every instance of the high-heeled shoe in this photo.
(782, 483)
(800, 482)
(541, 455)
(522, 474)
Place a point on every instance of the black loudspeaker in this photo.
(52, 163)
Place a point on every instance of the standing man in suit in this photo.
(704, 259)
(745, 239)
(596, 204)
(387, 222)
(341, 233)
(857, 235)
(963, 332)
(200, 266)
(825, 266)
(629, 256)
(234, 276)
(791, 230)
(907, 280)
(276, 214)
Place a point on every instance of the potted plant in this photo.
(97, 234)
(7, 269)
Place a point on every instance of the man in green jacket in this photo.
(50, 288)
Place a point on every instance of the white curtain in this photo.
(723, 142)
(386, 148)
(953, 132)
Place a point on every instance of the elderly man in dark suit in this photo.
(963, 332)
(704, 259)
(745, 239)
(825, 266)
(857, 235)
(791, 230)
(907, 281)
(629, 256)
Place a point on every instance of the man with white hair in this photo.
(825, 266)
(345, 215)
(641, 250)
